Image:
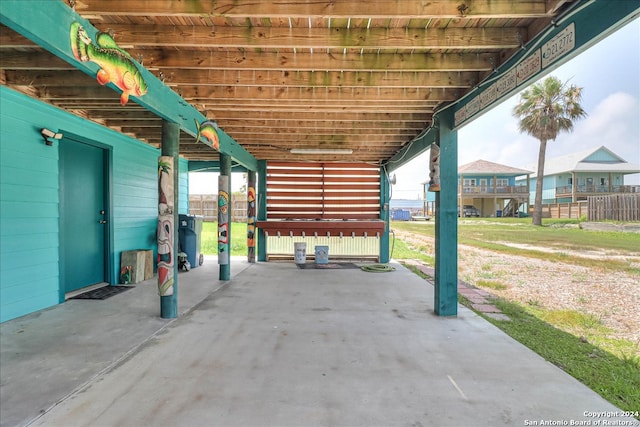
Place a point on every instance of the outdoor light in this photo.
(320, 151)
(50, 136)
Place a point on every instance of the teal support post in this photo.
(262, 208)
(169, 294)
(224, 220)
(446, 256)
(251, 216)
(385, 195)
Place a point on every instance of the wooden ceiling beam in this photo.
(231, 125)
(317, 61)
(337, 138)
(344, 109)
(320, 9)
(421, 117)
(267, 78)
(491, 38)
(277, 78)
(201, 95)
(291, 136)
(217, 97)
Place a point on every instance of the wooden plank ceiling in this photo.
(277, 75)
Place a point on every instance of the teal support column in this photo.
(168, 220)
(224, 220)
(385, 195)
(446, 256)
(251, 216)
(262, 208)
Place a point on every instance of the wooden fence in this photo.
(206, 206)
(563, 210)
(614, 207)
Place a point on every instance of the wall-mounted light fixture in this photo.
(320, 151)
(50, 136)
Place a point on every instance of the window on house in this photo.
(570, 180)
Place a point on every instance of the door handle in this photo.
(103, 221)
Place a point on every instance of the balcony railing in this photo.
(501, 190)
(566, 190)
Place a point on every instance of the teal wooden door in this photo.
(83, 214)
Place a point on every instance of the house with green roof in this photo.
(574, 177)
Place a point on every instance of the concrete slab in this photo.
(46, 355)
(282, 346)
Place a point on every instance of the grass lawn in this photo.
(209, 238)
(497, 233)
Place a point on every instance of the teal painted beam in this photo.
(586, 23)
(262, 208)
(446, 250)
(385, 196)
(170, 148)
(411, 150)
(48, 23)
(592, 21)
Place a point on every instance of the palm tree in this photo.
(545, 109)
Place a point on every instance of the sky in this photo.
(608, 72)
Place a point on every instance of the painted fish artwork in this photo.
(116, 65)
(209, 130)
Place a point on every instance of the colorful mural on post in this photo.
(434, 168)
(223, 220)
(166, 251)
(251, 222)
(116, 65)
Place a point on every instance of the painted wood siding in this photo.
(28, 210)
(29, 192)
(135, 199)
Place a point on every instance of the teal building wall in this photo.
(29, 200)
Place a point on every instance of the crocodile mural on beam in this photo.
(116, 65)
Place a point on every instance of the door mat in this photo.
(103, 292)
(329, 266)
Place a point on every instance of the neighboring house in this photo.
(571, 178)
(492, 188)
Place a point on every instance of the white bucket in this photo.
(322, 254)
(300, 254)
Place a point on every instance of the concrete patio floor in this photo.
(278, 346)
